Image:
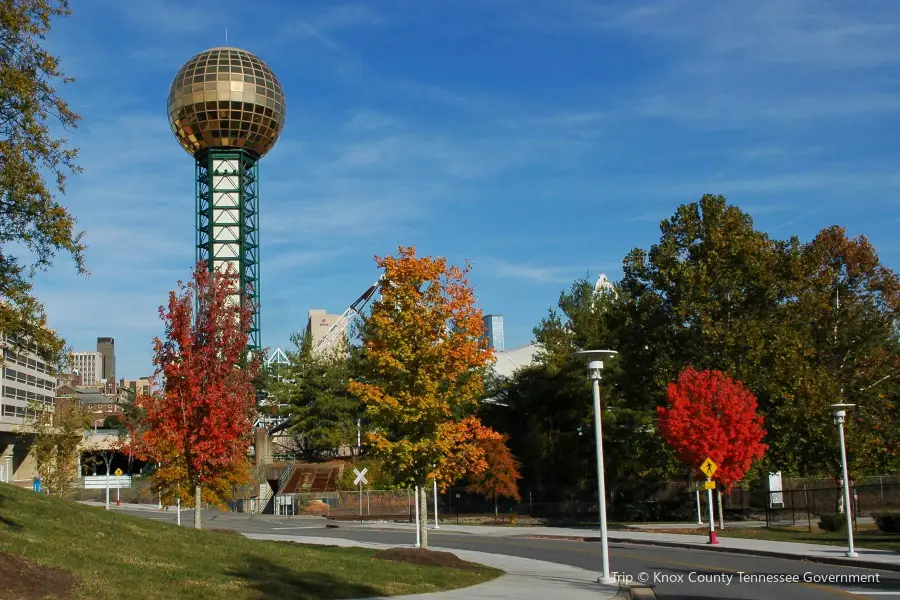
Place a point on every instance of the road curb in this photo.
(827, 560)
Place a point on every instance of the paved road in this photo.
(677, 574)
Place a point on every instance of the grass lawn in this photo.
(867, 536)
(80, 552)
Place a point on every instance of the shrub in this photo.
(832, 522)
(888, 522)
(658, 511)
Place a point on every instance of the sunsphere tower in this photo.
(227, 109)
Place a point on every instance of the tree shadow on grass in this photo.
(4, 521)
(270, 580)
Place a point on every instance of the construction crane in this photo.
(339, 327)
(276, 423)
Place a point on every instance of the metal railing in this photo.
(371, 504)
(257, 475)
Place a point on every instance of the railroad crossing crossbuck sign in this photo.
(709, 467)
(360, 477)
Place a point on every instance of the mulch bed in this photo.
(22, 580)
(423, 556)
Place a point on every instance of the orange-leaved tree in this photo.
(198, 426)
(422, 373)
(500, 477)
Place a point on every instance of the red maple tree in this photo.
(709, 414)
(502, 472)
(198, 426)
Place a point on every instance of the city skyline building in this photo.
(89, 366)
(25, 377)
(107, 347)
(494, 332)
(227, 110)
(319, 324)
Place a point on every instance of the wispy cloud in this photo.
(368, 120)
(732, 63)
(498, 268)
(819, 34)
(166, 16)
(324, 25)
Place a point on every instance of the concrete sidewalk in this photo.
(525, 578)
(128, 506)
(880, 559)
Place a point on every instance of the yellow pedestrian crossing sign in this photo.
(709, 467)
(117, 472)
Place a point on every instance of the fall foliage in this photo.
(711, 415)
(198, 426)
(31, 218)
(500, 478)
(422, 373)
(55, 444)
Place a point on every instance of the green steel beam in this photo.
(237, 175)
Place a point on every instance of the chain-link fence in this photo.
(369, 504)
(802, 505)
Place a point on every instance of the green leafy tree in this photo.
(711, 293)
(312, 392)
(845, 314)
(55, 443)
(548, 411)
(31, 217)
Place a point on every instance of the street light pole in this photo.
(595, 368)
(436, 523)
(840, 413)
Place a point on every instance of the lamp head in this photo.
(840, 411)
(595, 361)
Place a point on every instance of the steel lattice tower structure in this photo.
(227, 109)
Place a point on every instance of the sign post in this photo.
(699, 514)
(118, 473)
(418, 533)
(436, 524)
(709, 469)
(360, 480)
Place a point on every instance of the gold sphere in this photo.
(226, 98)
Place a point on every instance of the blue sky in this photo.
(541, 140)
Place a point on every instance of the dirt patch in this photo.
(423, 556)
(23, 580)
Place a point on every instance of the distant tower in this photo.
(494, 332)
(107, 347)
(227, 109)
